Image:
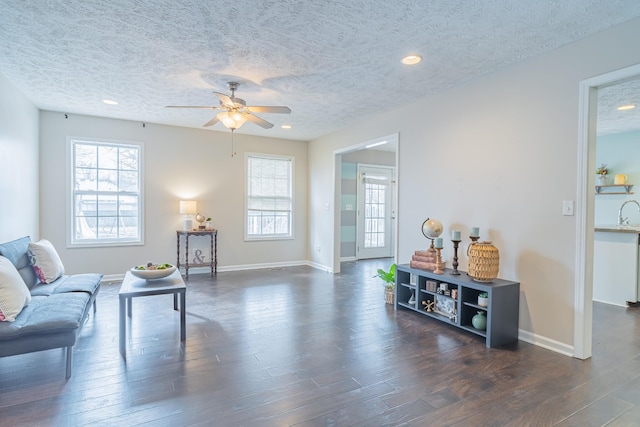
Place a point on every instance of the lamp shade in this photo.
(188, 207)
(232, 119)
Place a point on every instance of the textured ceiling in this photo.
(610, 120)
(330, 61)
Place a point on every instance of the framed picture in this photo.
(445, 306)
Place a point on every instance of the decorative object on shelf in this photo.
(431, 286)
(188, 208)
(479, 321)
(484, 261)
(208, 225)
(619, 179)
(425, 260)
(389, 278)
(602, 172)
(454, 293)
(431, 229)
(440, 265)
(428, 305)
(445, 306)
(198, 258)
(412, 298)
(455, 238)
(200, 219)
(483, 299)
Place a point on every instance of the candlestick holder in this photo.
(455, 271)
(439, 264)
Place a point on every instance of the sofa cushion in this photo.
(17, 251)
(86, 282)
(45, 261)
(14, 294)
(47, 315)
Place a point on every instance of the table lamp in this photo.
(188, 208)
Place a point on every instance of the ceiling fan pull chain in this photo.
(233, 153)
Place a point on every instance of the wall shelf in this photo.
(625, 187)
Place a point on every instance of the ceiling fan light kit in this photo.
(232, 119)
(236, 112)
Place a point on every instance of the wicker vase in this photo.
(388, 296)
(484, 261)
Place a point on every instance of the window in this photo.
(105, 193)
(269, 199)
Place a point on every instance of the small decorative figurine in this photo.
(428, 305)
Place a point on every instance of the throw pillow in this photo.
(45, 261)
(14, 294)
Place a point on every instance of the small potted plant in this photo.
(208, 223)
(483, 299)
(602, 173)
(389, 278)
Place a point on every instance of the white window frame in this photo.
(262, 237)
(71, 193)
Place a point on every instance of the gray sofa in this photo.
(57, 311)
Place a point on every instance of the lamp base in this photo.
(187, 224)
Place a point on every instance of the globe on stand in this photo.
(432, 228)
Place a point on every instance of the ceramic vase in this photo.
(479, 321)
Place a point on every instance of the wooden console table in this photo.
(213, 263)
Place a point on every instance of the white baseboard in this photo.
(611, 303)
(348, 259)
(545, 342)
(251, 266)
(116, 278)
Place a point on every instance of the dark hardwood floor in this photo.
(300, 347)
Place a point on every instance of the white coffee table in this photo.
(133, 287)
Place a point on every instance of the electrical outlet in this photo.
(317, 248)
(567, 208)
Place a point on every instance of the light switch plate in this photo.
(567, 208)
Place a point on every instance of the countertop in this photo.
(618, 228)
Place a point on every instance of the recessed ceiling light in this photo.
(626, 107)
(110, 102)
(411, 59)
(286, 126)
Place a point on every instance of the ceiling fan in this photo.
(235, 112)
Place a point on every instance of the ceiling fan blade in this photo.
(211, 122)
(207, 107)
(224, 99)
(269, 109)
(257, 120)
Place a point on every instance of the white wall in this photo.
(499, 153)
(18, 164)
(179, 163)
(621, 152)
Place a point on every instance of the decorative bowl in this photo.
(153, 274)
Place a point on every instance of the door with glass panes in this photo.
(375, 195)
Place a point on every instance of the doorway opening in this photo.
(585, 220)
(380, 154)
